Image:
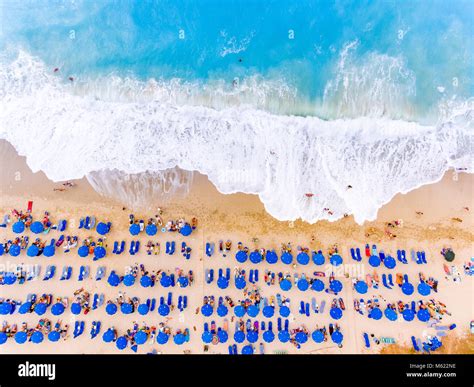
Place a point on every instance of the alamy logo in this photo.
(37, 370)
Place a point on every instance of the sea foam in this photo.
(280, 158)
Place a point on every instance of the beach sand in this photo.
(241, 217)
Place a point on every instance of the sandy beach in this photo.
(429, 224)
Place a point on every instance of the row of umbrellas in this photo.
(286, 257)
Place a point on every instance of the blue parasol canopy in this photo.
(222, 283)
(285, 285)
(99, 252)
(302, 258)
(207, 310)
(239, 337)
(37, 337)
(15, 250)
(240, 282)
(3, 338)
(207, 337)
(121, 342)
(111, 309)
(141, 337)
(102, 228)
(407, 288)
(424, 289)
(317, 285)
(143, 309)
(268, 311)
(162, 338)
(2, 249)
(134, 229)
(32, 251)
(286, 258)
(164, 310)
(301, 337)
(389, 262)
(54, 336)
(376, 314)
(241, 256)
(183, 281)
(318, 259)
(222, 310)
(49, 251)
(113, 279)
(179, 339)
(76, 308)
(361, 287)
(337, 337)
(255, 257)
(57, 309)
(126, 308)
(129, 280)
(37, 227)
(83, 251)
(423, 315)
(303, 284)
(336, 260)
(21, 337)
(335, 286)
(408, 315)
(391, 314)
(253, 311)
(222, 335)
(186, 230)
(247, 350)
(374, 261)
(268, 336)
(336, 313)
(271, 257)
(239, 311)
(18, 227)
(5, 308)
(146, 281)
(284, 311)
(9, 279)
(318, 336)
(108, 335)
(151, 229)
(284, 336)
(25, 308)
(252, 336)
(40, 308)
(166, 281)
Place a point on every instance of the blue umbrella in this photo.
(301, 337)
(374, 261)
(318, 259)
(162, 338)
(424, 289)
(151, 229)
(111, 309)
(134, 229)
(126, 308)
(240, 282)
(37, 337)
(239, 311)
(40, 308)
(32, 251)
(336, 286)
(389, 262)
(407, 288)
(207, 337)
(336, 313)
(37, 227)
(15, 250)
(318, 336)
(408, 315)
(5, 308)
(222, 283)
(54, 336)
(391, 314)
(143, 309)
(241, 256)
(222, 310)
(268, 336)
(222, 335)
(141, 337)
(268, 311)
(423, 315)
(57, 309)
(361, 287)
(129, 280)
(317, 285)
(337, 337)
(146, 281)
(121, 343)
(207, 310)
(25, 308)
(252, 336)
(76, 308)
(164, 310)
(49, 251)
(113, 279)
(9, 278)
(102, 228)
(303, 284)
(3, 337)
(285, 285)
(83, 251)
(21, 337)
(284, 311)
(247, 350)
(179, 339)
(99, 252)
(18, 227)
(284, 336)
(2, 249)
(165, 281)
(183, 281)
(255, 257)
(271, 257)
(302, 258)
(286, 258)
(108, 335)
(336, 260)
(253, 311)
(239, 337)
(376, 314)
(186, 230)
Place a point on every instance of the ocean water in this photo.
(277, 98)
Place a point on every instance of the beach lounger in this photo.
(366, 339)
(152, 304)
(82, 223)
(384, 281)
(79, 328)
(390, 280)
(50, 271)
(100, 273)
(302, 308)
(132, 248)
(116, 247)
(358, 254)
(137, 247)
(321, 309)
